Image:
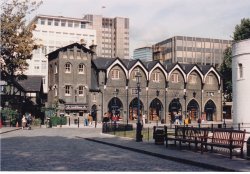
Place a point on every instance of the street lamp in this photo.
(139, 125)
(114, 111)
(224, 112)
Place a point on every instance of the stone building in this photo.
(241, 82)
(79, 82)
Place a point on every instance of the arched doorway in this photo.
(133, 109)
(174, 108)
(210, 109)
(94, 112)
(193, 110)
(115, 106)
(155, 110)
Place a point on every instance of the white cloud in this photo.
(155, 20)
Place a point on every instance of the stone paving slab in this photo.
(208, 160)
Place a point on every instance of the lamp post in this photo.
(115, 105)
(139, 125)
(224, 112)
(185, 108)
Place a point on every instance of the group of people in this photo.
(26, 121)
(109, 117)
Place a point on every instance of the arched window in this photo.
(55, 91)
(67, 68)
(55, 70)
(81, 69)
(240, 67)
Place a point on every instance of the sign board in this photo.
(76, 107)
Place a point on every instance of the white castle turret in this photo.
(241, 83)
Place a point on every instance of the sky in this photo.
(152, 21)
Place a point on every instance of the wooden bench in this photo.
(225, 138)
(188, 135)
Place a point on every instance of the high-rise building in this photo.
(143, 53)
(112, 35)
(184, 49)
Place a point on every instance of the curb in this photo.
(10, 130)
(167, 157)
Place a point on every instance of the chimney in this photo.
(93, 48)
(83, 42)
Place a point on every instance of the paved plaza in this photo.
(87, 149)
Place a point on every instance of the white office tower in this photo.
(53, 32)
(112, 35)
(241, 83)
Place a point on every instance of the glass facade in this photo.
(182, 49)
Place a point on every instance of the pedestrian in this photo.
(143, 119)
(90, 118)
(177, 118)
(180, 119)
(29, 121)
(24, 121)
(86, 119)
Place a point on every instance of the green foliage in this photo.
(242, 31)
(16, 38)
(57, 120)
(8, 113)
(226, 72)
(37, 122)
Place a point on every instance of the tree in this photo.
(16, 38)
(242, 31)
(226, 71)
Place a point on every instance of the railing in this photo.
(122, 130)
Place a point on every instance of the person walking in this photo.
(86, 119)
(24, 121)
(90, 118)
(143, 119)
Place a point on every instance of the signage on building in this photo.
(76, 107)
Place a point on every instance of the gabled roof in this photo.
(168, 66)
(103, 63)
(149, 65)
(204, 68)
(128, 63)
(55, 53)
(187, 67)
(32, 83)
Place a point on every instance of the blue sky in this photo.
(152, 21)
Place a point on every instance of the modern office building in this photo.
(53, 32)
(184, 49)
(80, 82)
(143, 53)
(112, 35)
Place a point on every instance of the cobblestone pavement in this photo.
(60, 149)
